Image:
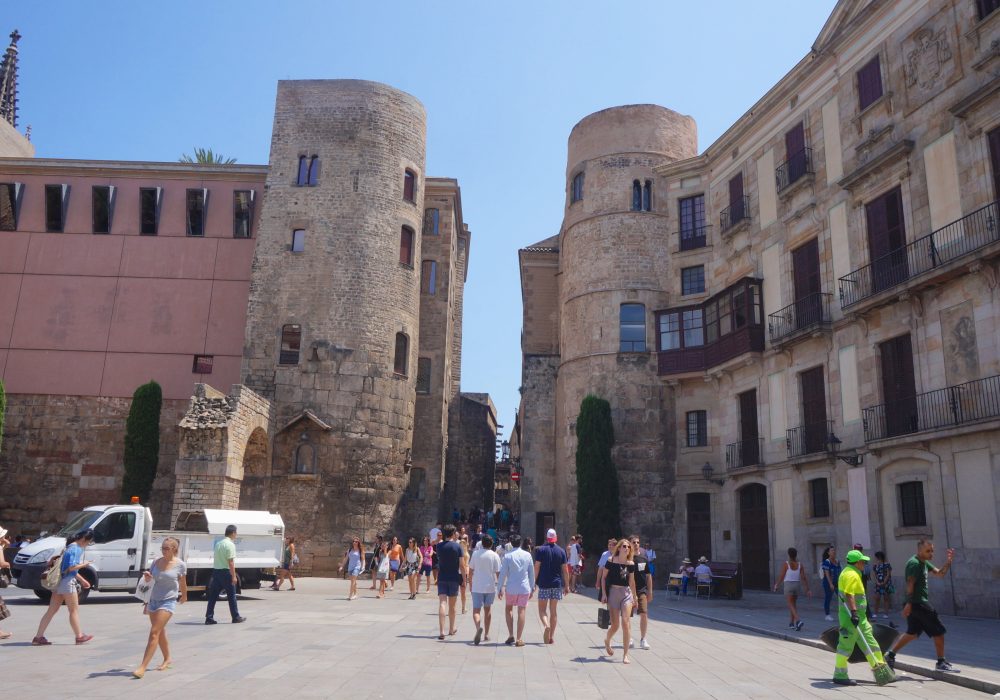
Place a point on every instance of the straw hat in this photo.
(702, 560)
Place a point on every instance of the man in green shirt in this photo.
(224, 577)
(920, 616)
(853, 621)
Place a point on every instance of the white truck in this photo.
(125, 543)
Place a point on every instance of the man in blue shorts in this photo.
(552, 581)
(450, 577)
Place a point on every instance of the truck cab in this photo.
(121, 542)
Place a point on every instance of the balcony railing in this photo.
(694, 238)
(959, 238)
(943, 408)
(812, 311)
(735, 213)
(809, 438)
(797, 165)
(744, 454)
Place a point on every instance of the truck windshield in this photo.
(79, 521)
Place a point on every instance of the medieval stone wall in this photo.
(471, 453)
(62, 453)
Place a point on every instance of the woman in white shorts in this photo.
(792, 582)
(70, 564)
(354, 561)
(620, 583)
(169, 577)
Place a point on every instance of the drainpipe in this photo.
(947, 535)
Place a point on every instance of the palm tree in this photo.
(205, 155)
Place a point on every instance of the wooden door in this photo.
(544, 521)
(736, 209)
(814, 435)
(887, 241)
(795, 153)
(699, 526)
(749, 442)
(899, 389)
(755, 549)
(808, 285)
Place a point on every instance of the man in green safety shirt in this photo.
(853, 620)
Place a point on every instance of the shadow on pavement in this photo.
(110, 672)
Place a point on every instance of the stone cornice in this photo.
(897, 151)
(119, 168)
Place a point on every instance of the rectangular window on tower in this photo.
(197, 205)
(291, 342)
(101, 205)
(56, 197)
(242, 213)
(150, 199)
(424, 375)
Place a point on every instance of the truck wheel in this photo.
(44, 595)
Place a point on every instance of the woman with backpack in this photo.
(70, 581)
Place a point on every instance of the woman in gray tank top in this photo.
(169, 577)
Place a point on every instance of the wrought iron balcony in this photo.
(735, 213)
(744, 454)
(694, 238)
(797, 165)
(809, 312)
(809, 438)
(942, 408)
(958, 239)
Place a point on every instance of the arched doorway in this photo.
(755, 549)
(253, 490)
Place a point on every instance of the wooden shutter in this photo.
(750, 447)
(808, 285)
(898, 386)
(813, 410)
(736, 212)
(869, 83)
(887, 240)
(795, 155)
(994, 140)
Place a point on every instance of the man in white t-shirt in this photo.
(574, 560)
(435, 531)
(702, 572)
(483, 568)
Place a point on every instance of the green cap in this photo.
(854, 556)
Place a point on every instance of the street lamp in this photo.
(854, 460)
(707, 471)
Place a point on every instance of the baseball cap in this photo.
(550, 536)
(854, 556)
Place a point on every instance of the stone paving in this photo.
(314, 643)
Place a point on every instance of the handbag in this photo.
(4, 610)
(603, 618)
(143, 589)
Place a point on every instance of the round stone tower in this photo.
(333, 317)
(614, 248)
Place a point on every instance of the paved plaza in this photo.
(314, 643)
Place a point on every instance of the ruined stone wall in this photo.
(349, 293)
(538, 438)
(472, 453)
(62, 453)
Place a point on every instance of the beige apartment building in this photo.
(797, 329)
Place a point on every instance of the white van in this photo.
(125, 544)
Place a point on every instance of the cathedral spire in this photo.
(8, 81)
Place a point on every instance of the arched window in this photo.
(647, 196)
(409, 185)
(577, 192)
(305, 457)
(291, 341)
(402, 351)
(303, 177)
(636, 195)
(632, 328)
(313, 170)
(406, 246)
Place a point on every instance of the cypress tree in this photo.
(3, 410)
(142, 442)
(597, 498)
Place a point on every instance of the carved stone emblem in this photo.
(925, 61)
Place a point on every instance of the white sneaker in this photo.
(643, 644)
(885, 616)
(829, 619)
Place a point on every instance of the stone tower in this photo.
(614, 267)
(333, 314)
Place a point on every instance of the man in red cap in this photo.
(552, 581)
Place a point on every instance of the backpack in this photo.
(52, 575)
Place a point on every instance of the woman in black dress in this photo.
(620, 586)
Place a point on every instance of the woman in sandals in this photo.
(354, 562)
(169, 578)
(620, 585)
(285, 571)
(69, 564)
(413, 560)
(792, 581)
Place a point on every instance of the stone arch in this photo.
(256, 471)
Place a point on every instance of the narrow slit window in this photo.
(406, 246)
(149, 210)
(636, 195)
(291, 342)
(576, 193)
(298, 240)
(56, 197)
(197, 205)
(428, 277)
(242, 213)
(424, 375)
(400, 358)
(432, 222)
(303, 177)
(409, 186)
(647, 196)
(100, 198)
(313, 177)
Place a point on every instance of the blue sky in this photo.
(503, 84)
